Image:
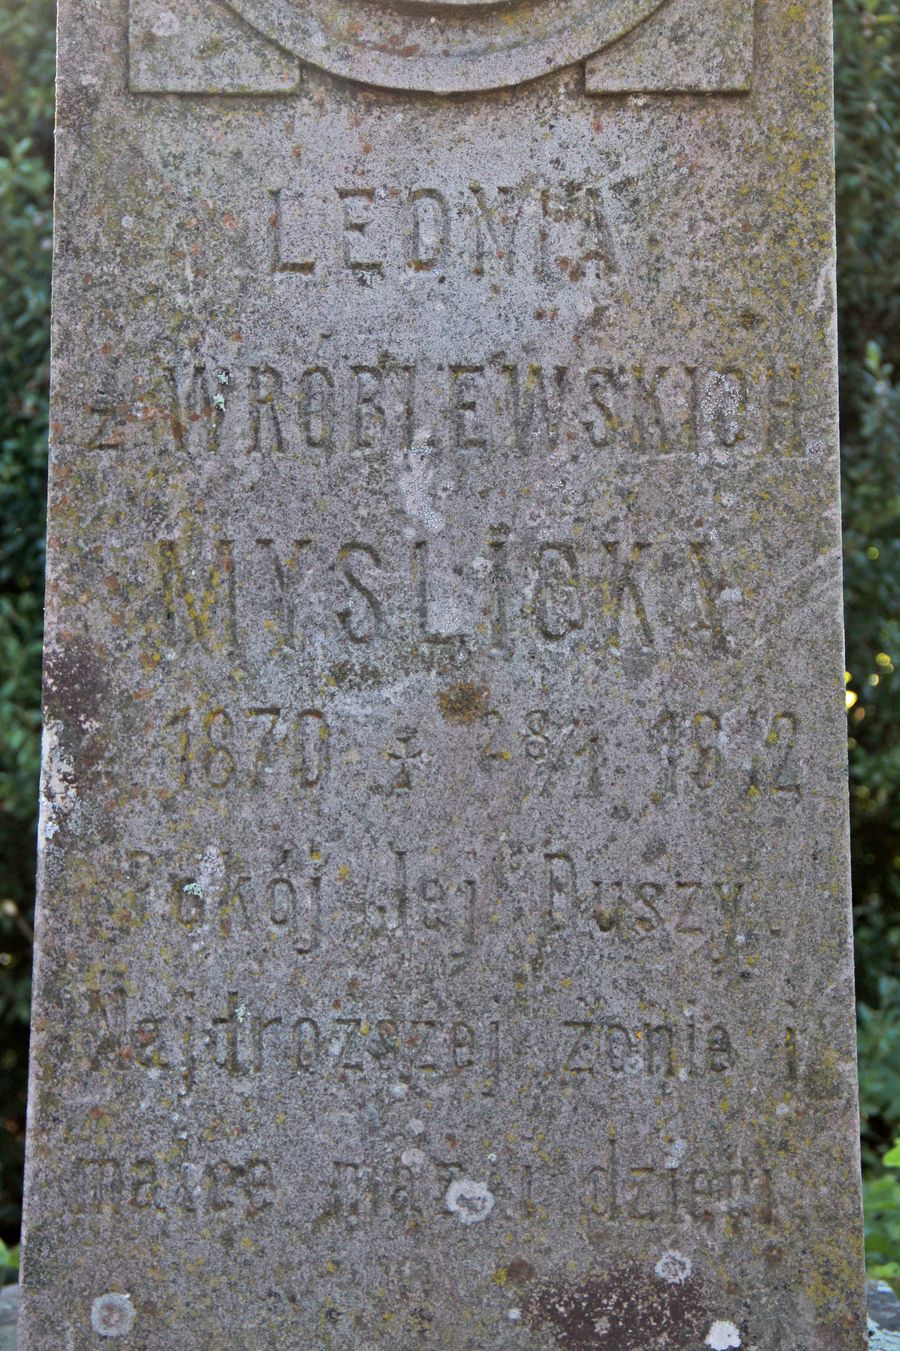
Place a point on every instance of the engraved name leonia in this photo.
(551, 234)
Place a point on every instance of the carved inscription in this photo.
(623, 1187)
(684, 912)
(650, 1049)
(284, 903)
(253, 745)
(692, 751)
(107, 1185)
(221, 594)
(242, 1041)
(554, 235)
(406, 894)
(628, 1187)
(443, 939)
(299, 1045)
(218, 751)
(378, 405)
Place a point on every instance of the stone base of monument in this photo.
(9, 1316)
(883, 1305)
(884, 1317)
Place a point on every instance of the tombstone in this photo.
(444, 934)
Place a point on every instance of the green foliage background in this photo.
(867, 89)
(26, 161)
(868, 105)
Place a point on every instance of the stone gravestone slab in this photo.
(444, 936)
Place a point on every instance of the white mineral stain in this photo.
(58, 795)
(212, 867)
(674, 1268)
(470, 1201)
(675, 1153)
(413, 1158)
(722, 1336)
(823, 289)
(415, 483)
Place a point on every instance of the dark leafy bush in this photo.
(868, 108)
(26, 122)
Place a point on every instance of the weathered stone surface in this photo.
(201, 47)
(685, 46)
(443, 933)
(883, 1321)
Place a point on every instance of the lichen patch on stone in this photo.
(463, 703)
(112, 1315)
(673, 1268)
(471, 1202)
